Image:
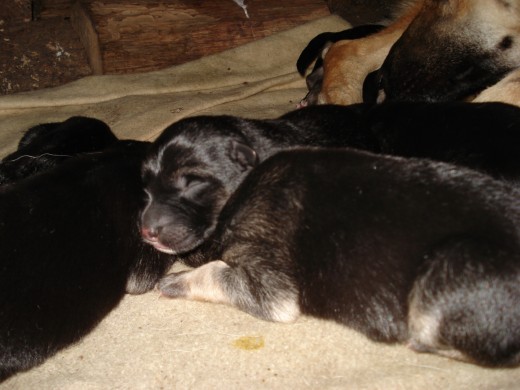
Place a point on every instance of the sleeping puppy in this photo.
(47, 145)
(197, 163)
(70, 247)
(402, 250)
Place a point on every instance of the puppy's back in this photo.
(358, 233)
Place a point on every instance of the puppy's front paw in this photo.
(303, 103)
(174, 285)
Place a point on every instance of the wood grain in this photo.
(45, 43)
(82, 24)
(138, 36)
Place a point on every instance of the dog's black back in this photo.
(482, 136)
(71, 249)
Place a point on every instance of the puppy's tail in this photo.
(314, 48)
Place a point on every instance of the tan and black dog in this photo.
(437, 50)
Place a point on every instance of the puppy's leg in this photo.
(465, 305)
(261, 293)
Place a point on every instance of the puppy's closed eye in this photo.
(190, 184)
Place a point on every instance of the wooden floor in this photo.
(45, 43)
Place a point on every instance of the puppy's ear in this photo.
(244, 155)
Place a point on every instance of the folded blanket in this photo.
(254, 80)
(150, 342)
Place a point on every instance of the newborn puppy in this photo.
(402, 250)
(47, 145)
(70, 248)
(197, 163)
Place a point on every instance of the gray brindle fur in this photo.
(410, 251)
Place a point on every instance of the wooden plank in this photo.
(50, 9)
(358, 12)
(84, 27)
(138, 36)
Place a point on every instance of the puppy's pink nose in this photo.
(150, 234)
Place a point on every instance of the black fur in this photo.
(197, 163)
(372, 87)
(407, 79)
(47, 145)
(402, 250)
(71, 246)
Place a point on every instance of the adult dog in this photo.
(197, 163)
(70, 243)
(402, 250)
(435, 51)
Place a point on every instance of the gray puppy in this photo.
(408, 251)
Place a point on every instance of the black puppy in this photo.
(44, 146)
(70, 246)
(314, 52)
(197, 163)
(410, 251)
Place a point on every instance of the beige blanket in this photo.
(153, 343)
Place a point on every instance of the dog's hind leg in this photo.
(262, 293)
(465, 305)
(346, 64)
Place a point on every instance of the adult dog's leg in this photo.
(347, 63)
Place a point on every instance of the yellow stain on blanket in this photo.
(249, 343)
